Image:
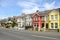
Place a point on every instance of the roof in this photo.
(23, 16)
(43, 13)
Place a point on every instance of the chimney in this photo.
(37, 11)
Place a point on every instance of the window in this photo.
(46, 17)
(52, 17)
(52, 25)
(56, 17)
(36, 25)
(35, 19)
(42, 18)
(56, 25)
(29, 23)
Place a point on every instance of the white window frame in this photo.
(56, 25)
(53, 25)
(56, 17)
(52, 18)
(46, 17)
(36, 19)
(42, 18)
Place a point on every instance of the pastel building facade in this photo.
(54, 18)
(21, 21)
(24, 20)
(28, 20)
(49, 19)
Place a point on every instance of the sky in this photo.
(9, 8)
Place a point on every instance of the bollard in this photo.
(57, 30)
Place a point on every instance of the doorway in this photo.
(47, 25)
(42, 25)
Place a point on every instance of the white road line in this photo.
(44, 37)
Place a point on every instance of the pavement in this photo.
(6, 34)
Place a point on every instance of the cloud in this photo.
(27, 4)
(29, 11)
(49, 5)
(28, 7)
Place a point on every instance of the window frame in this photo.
(35, 18)
(56, 17)
(56, 26)
(43, 18)
(46, 17)
(52, 17)
(52, 25)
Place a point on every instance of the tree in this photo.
(14, 23)
(8, 25)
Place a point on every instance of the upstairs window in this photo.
(42, 18)
(46, 17)
(56, 17)
(52, 17)
(35, 19)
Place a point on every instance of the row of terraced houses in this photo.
(49, 19)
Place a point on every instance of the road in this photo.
(6, 34)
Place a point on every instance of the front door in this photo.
(47, 25)
(42, 25)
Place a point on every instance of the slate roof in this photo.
(44, 13)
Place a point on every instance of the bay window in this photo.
(56, 17)
(52, 25)
(52, 17)
(35, 19)
(42, 18)
(56, 25)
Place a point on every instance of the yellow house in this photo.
(54, 19)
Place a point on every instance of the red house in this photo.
(38, 20)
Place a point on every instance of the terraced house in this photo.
(24, 20)
(49, 19)
(28, 19)
(54, 18)
(38, 20)
(21, 21)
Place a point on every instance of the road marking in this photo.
(44, 37)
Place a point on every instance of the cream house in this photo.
(28, 19)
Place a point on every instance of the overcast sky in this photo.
(17, 7)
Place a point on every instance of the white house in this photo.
(28, 19)
(21, 21)
(24, 20)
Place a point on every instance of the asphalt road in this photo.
(6, 34)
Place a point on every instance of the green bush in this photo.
(27, 27)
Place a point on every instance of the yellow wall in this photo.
(54, 12)
(59, 21)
